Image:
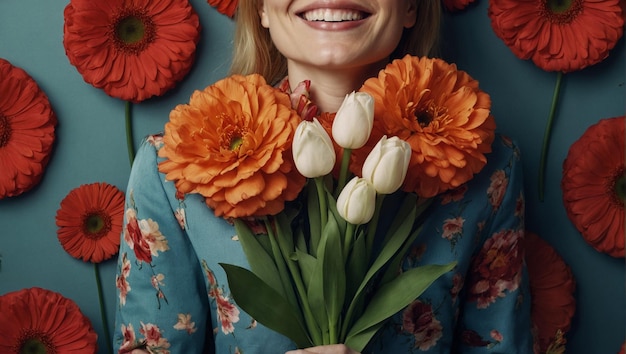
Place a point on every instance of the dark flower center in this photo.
(562, 11)
(132, 31)
(427, 114)
(5, 130)
(232, 137)
(235, 143)
(35, 342)
(619, 187)
(96, 224)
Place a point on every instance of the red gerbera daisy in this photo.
(37, 320)
(133, 50)
(558, 35)
(90, 222)
(27, 125)
(441, 112)
(226, 7)
(552, 288)
(594, 185)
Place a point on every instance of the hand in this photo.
(325, 349)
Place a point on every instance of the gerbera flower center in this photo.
(35, 342)
(562, 11)
(132, 31)
(232, 138)
(619, 187)
(96, 224)
(427, 114)
(5, 130)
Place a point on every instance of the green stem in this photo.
(373, 225)
(103, 313)
(343, 172)
(129, 132)
(280, 261)
(321, 196)
(347, 241)
(309, 319)
(546, 135)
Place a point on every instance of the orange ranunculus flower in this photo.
(133, 50)
(37, 320)
(27, 124)
(558, 35)
(594, 185)
(440, 112)
(232, 145)
(90, 222)
(226, 7)
(552, 287)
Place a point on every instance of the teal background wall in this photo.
(90, 147)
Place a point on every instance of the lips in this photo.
(333, 15)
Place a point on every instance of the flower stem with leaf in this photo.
(547, 134)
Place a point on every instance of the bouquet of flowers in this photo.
(326, 265)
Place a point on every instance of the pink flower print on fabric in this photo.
(184, 323)
(156, 343)
(497, 189)
(227, 314)
(496, 268)
(419, 320)
(452, 228)
(121, 280)
(143, 237)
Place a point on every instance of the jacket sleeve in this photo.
(495, 317)
(162, 305)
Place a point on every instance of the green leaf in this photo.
(391, 298)
(261, 262)
(315, 291)
(315, 220)
(307, 264)
(357, 265)
(264, 304)
(334, 281)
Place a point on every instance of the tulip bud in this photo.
(357, 201)
(386, 165)
(313, 151)
(354, 120)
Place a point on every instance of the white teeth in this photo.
(332, 15)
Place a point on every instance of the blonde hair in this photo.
(254, 51)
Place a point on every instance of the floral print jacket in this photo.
(173, 296)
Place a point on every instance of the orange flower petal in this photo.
(232, 144)
(440, 112)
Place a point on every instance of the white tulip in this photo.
(356, 202)
(387, 164)
(313, 150)
(354, 120)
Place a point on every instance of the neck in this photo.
(329, 87)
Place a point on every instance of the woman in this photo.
(173, 295)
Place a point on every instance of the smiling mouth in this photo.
(333, 15)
